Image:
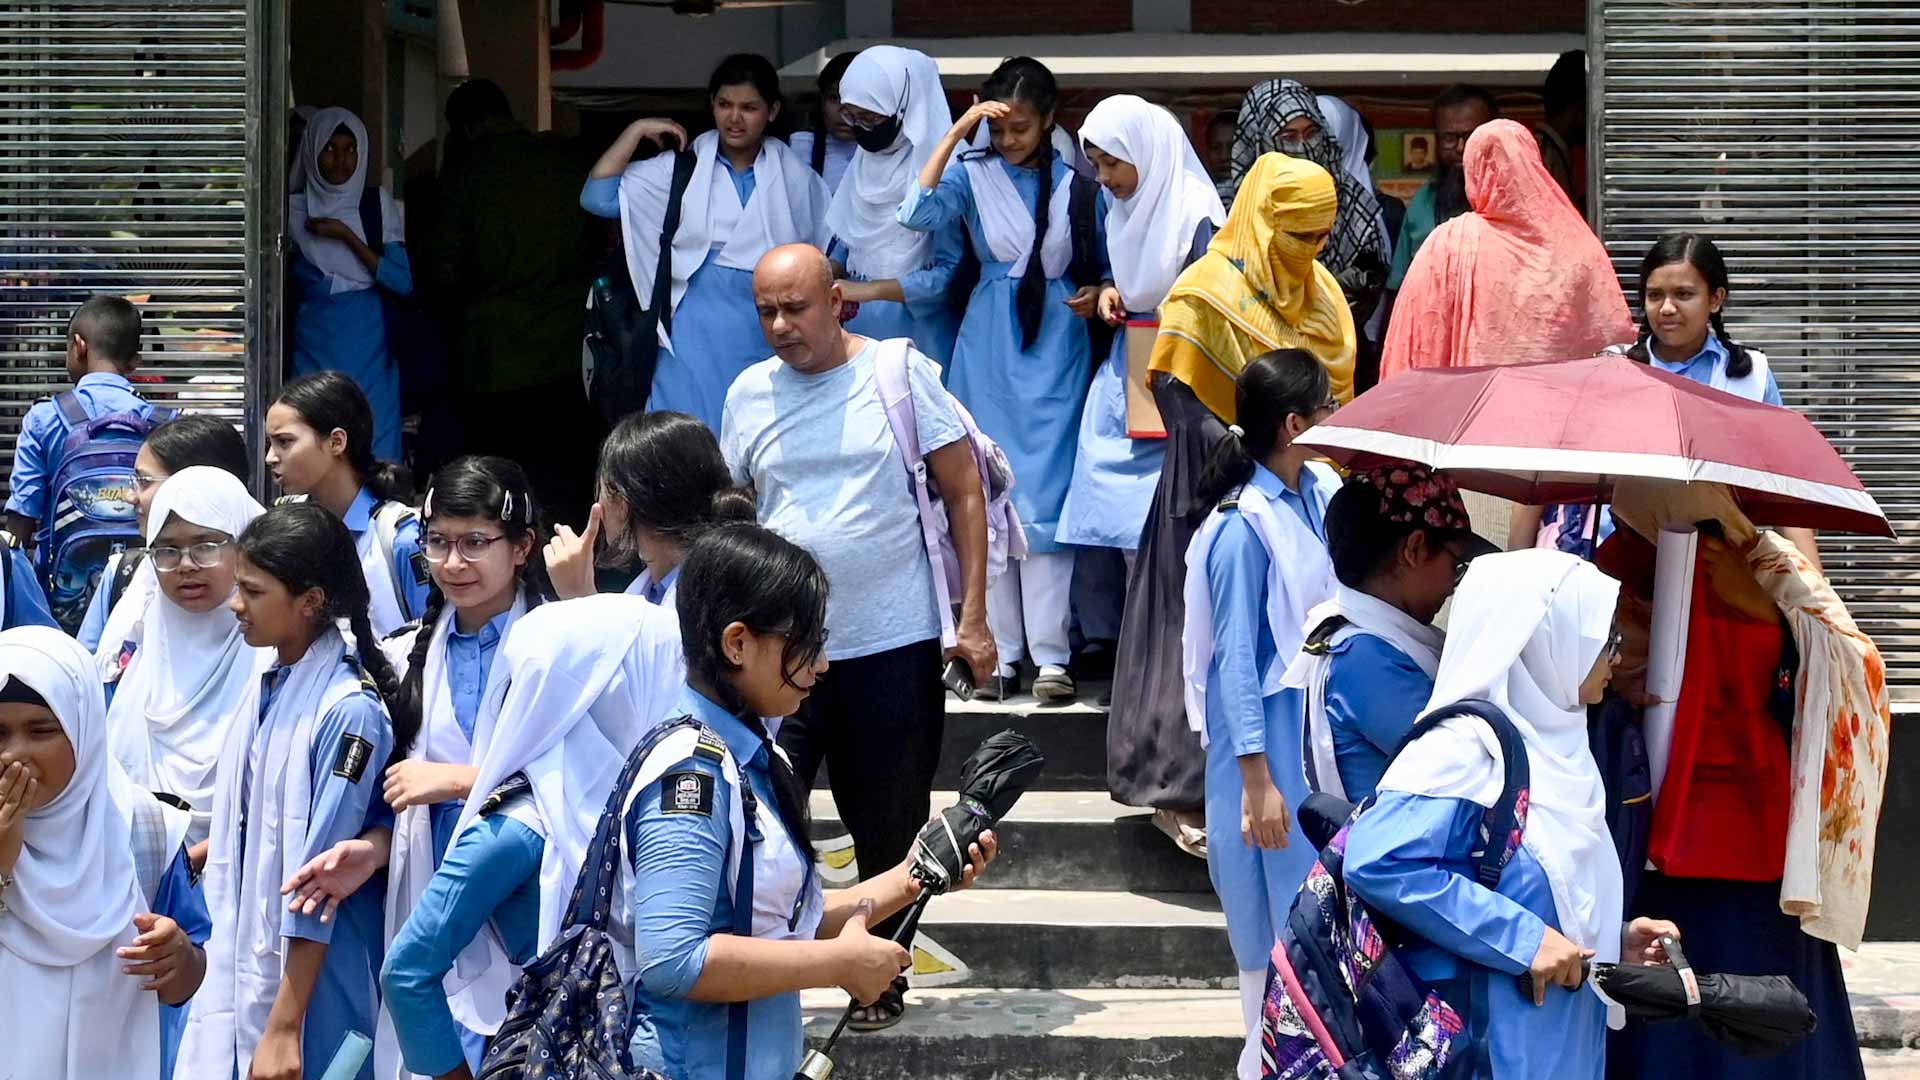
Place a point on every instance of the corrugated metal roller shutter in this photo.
(123, 169)
(1789, 131)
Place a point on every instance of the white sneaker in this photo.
(1053, 684)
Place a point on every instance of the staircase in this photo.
(1094, 947)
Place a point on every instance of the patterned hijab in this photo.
(1268, 109)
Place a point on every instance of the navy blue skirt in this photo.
(1737, 928)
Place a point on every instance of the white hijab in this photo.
(788, 206)
(1525, 630)
(1150, 233)
(892, 81)
(319, 199)
(123, 621)
(169, 717)
(1351, 133)
(585, 680)
(74, 893)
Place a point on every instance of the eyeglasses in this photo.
(473, 546)
(204, 556)
(1461, 564)
(141, 481)
(1613, 646)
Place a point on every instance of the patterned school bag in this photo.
(1340, 1001)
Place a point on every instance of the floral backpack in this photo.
(1340, 1001)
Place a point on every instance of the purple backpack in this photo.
(1006, 539)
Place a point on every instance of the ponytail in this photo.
(329, 401)
(1274, 386)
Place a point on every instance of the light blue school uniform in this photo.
(490, 875)
(658, 593)
(1256, 887)
(409, 560)
(347, 332)
(469, 663)
(344, 996)
(716, 329)
(179, 898)
(1710, 363)
(1114, 474)
(26, 603)
(37, 454)
(1027, 400)
(1407, 858)
(1374, 692)
(682, 895)
(927, 317)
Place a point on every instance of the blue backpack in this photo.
(90, 513)
(1340, 1002)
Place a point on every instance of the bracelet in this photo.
(6, 882)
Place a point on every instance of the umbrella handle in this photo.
(818, 1061)
(1525, 979)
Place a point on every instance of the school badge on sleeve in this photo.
(350, 760)
(687, 793)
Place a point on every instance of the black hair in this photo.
(476, 100)
(1024, 79)
(305, 547)
(1274, 386)
(329, 401)
(834, 71)
(111, 327)
(1373, 139)
(667, 468)
(1462, 93)
(750, 575)
(493, 488)
(1228, 117)
(1566, 84)
(1359, 538)
(1704, 256)
(750, 69)
(198, 439)
(828, 84)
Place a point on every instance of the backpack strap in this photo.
(74, 413)
(1503, 823)
(894, 380)
(592, 900)
(387, 519)
(737, 1012)
(1083, 198)
(683, 162)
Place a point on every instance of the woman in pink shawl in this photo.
(1520, 278)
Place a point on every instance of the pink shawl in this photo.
(1520, 278)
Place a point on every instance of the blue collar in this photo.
(1268, 483)
(744, 744)
(360, 514)
(1713, 351)
(489, 633)
(104, 378)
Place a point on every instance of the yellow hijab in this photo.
(1258, 288)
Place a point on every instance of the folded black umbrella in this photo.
(1756, 1015)
(991, 781)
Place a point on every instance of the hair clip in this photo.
(506, 508)
(426, 505)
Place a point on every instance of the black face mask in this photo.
(879, 138)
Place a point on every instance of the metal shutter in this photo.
(1789, 131)
(123, 169)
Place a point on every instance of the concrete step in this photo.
(1041, 939)
(1068, 840)
(1072, 736)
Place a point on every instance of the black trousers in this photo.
(877, 722)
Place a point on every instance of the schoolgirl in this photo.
(1021, 363)
(662, 481)
(100, 927)
(583, 681)
(184, 666)
(194, 439)
(718, 876)
(320, 448)
(337, 269)
(1163, 215)
(1256, 567)
(828, 146)
(1399, 539)
(748, 193)
(898, 276)
(298, 774)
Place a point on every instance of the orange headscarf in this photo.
(1520, 278)
(1258, 288)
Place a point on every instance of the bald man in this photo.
(807, 429)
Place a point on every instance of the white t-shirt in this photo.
(819, 453)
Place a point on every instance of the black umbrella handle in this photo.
(1525, 979)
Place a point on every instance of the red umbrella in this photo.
(1562, 431)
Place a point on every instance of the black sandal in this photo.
(891, 1006)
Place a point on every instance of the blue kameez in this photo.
(1114, 474)
(926, 317)
(347, 332)
(716, 329)
(1374, 693)
(1256, 886)
(1028, 400)
(1407, 858)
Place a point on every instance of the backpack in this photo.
(621, 348)
(90, 512)
(1006, 539)
(387, 518)
(1340, 1001)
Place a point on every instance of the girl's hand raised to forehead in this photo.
(979, 112)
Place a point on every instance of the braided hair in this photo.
(492, 488)
(1700, 253)
(329, 401)
(1024, 79)
(304, 547)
